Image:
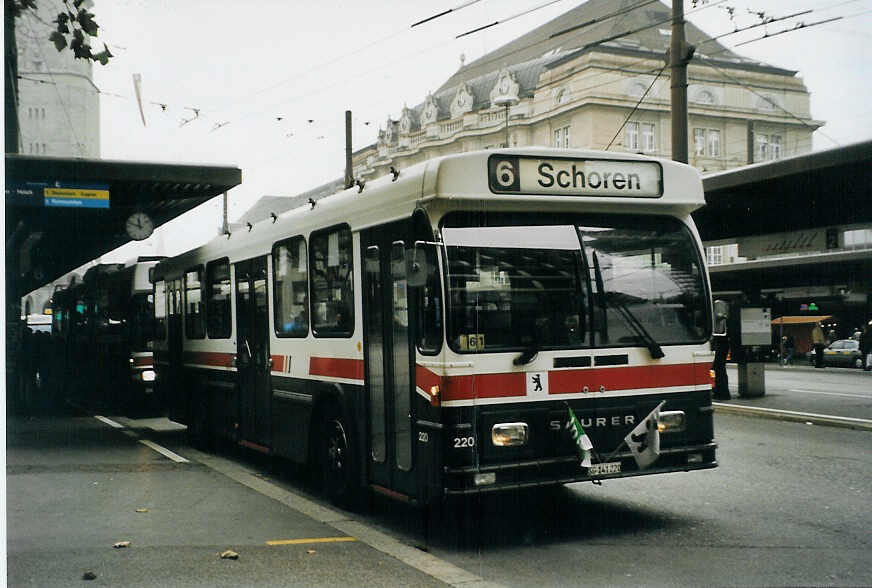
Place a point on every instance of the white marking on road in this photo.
(164, 451)
(829, 393)
(109, 422)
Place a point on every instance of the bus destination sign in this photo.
(575, 177)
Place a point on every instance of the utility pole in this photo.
(349, 170)
(680, 53)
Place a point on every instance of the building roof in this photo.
(650, 21)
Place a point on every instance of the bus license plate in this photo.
(599, 469)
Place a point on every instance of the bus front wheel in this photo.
(336, 459)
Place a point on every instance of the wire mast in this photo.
(680, 53)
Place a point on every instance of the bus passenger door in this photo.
(388, 356)
(253, 361)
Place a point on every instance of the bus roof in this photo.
(580, 180)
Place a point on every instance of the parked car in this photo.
(841, 353)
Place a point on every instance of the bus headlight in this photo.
(509, 434)
(148, 375)
(671, 421)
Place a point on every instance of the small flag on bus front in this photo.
(580, 437)
(644, 439)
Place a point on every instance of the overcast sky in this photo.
(258, 71)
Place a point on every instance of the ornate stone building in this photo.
(577, 89)
(58, 103)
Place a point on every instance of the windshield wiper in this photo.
(653, 347)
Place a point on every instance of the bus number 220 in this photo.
(460, 442)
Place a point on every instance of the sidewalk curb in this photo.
(794, 416)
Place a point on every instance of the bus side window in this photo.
(218, 299)
(195, 327)
(291, 288)
(160, 309)
(332, 279)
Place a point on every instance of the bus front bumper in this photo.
(566, 470)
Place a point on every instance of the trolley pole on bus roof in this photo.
(680, 53)
(349, 175)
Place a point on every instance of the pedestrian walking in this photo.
(787, 343)
(866, 346)
(817, 338)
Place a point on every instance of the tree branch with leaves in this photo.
(75, 27)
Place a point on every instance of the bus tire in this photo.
(336, 462)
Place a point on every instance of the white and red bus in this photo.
(430, 333)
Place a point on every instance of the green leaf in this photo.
(104, 55)
(86, 21)
(62, 25)
(59, 40)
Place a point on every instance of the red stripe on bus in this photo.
(483, 386)
(426, 379)
(143, 361)
(211, 358)
(628, 378)
(505, 385)
(335, 367)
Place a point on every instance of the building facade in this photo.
(58, 103)
(581, 90)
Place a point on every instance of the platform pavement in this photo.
(77, 486)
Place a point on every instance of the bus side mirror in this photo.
(722, 312)
(419, 267)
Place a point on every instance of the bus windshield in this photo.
(602, 281)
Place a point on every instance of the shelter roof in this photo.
(801, 320)
(51, 241)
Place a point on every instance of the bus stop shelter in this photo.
(47, 237)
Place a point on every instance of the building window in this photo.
(291, 290)
(715, 255)
(195, 323)
(707, 142)
(631, 141)
(648, 137)
(332, 278)
(561, 137)
(714, 143)
(768, 147)
(699, 141)
(218, 299)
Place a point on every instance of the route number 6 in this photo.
(505, 174)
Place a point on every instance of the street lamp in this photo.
(506, 101)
